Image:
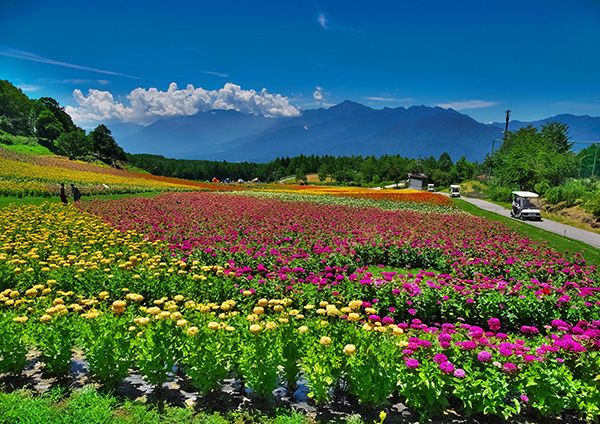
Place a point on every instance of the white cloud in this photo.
(29, 87)
(389, 99)
(467, 104)
(146, 106)
(21, 54)
(322, 20)
(318, 94)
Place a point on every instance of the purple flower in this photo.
(440, 357)
(387, 321)
(524, 398)
(494, 324)
(447, 367)
(484, 356)
(412, 311)
(412, 364)
(459, 373)
(509, 367)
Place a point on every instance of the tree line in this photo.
(356, 170)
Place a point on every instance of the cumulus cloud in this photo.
(148, 105)
(467, 104)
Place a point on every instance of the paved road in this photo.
(588, 237)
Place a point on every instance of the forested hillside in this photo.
(45, 122)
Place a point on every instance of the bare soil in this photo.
(233, 396)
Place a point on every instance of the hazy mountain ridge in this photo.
(345, 129)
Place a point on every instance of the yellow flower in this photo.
(154, 310)
(278, 308)
(192, 331)
(118, 306)
(21, 319)
(142, 320)
(368, 326)
(353, 316)
(45, 318)
(397, 331)
(325, 341)
(175, 316)
(303, 329)
(270, 325)
(181, 322)
(258, 310)
(349, 349)
(213, 325)
(263, 302)
(103, 295)
(252, 317)
(255, 328)
(31, 293)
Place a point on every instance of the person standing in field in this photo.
(76, 193)
(63, 195)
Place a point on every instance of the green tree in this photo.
(528, 157)
(75, 144)
(445, 162)
(557, 134)
(301, 175)
(48, 126)
(105, 146)
(367, 168)
(323, 172)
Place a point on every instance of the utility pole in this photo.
(506, 127)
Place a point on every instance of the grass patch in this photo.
(37, 201)
(32, 150)
(90, 407)
(559, 243)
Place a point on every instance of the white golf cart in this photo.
(430, 187)
(454, 190)
(524, 207)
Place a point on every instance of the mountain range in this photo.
(345, 129)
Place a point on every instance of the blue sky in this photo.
(129, 61)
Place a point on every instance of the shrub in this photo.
(554, 195)
(500, 193)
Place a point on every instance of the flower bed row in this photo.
(270, 342)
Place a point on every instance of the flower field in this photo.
(27, 175)
(379, 298)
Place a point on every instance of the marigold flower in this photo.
(118, 306)
(31, 293)
(353, 316)
(154, 310)
(325, 341)
(349, 349)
